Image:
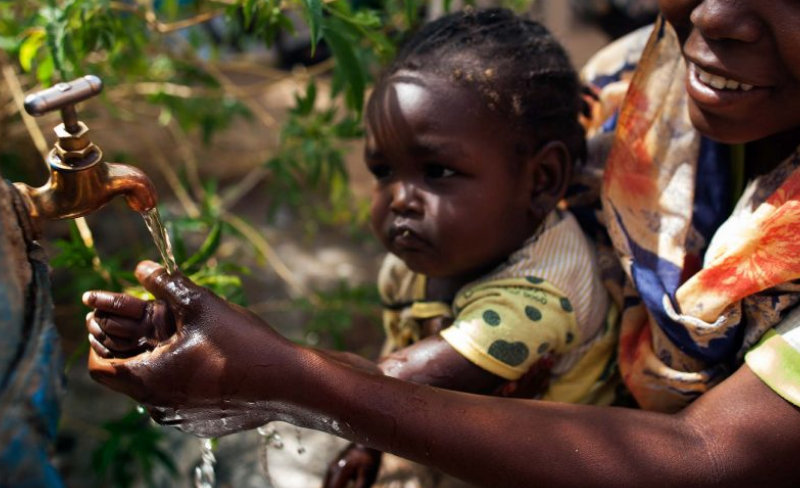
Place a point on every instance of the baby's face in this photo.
(743, 59)
(448, 196)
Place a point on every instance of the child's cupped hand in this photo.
(123, 326)
(194, 360)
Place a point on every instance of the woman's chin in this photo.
(722, 129)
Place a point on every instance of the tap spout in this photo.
(79, 182)
(133, 184)
(75, 190)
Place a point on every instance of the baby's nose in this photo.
(405, 198)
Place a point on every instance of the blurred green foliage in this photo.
(132, 451)
(336, 308)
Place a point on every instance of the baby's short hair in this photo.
(518, 66)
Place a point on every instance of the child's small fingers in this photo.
(121, 327)
(122, 347)
(98, 348)
(116, 303)
(94, 327)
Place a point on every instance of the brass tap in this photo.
(80, 182)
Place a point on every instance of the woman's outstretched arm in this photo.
(225, 370)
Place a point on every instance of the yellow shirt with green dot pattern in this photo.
(545, 300)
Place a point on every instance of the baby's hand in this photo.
(123, 326)
(356, 467)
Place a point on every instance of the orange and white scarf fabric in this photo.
(701, 285)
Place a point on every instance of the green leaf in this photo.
(248, 9)
(304, 104)
(44, 73)
(350, 66)
(207, 249)
(411, 12)
(8, 43)
(313, 11)
(29, 48)
(170, 8)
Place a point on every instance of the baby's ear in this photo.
(550, 170)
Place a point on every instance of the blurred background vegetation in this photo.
(247, 115)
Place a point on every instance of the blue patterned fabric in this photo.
(31, 379)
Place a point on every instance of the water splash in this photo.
(285, 463)
(269, 438)
(204, 475)
(161, 238)
(301, 449)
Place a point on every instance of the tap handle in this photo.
(64, 96)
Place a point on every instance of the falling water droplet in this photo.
(300, 447)
(269, 438)
(204, 475)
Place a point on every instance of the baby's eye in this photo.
(380, 171)
(437, 171)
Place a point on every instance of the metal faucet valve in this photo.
(80, 182)
(64, 96)
(73, 149)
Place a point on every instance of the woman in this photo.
(687, 324)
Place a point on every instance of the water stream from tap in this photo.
(204, 474)
(161, 238)
(269, 438)
(272, 439)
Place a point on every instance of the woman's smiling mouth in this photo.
(719, 82)
(717, 91)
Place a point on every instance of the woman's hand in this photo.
(221, 368)
(356, 464)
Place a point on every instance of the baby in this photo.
(489, 287)
(472, 133)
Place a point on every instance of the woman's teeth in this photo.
(720, 82)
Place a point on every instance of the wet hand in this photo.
(356, 464)
(220, 370)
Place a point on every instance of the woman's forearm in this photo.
(505, 442)
(225, 370)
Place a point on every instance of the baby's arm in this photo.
(431, 361)
(124, 326)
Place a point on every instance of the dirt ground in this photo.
(316, 263)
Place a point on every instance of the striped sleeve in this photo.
(564, 257)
